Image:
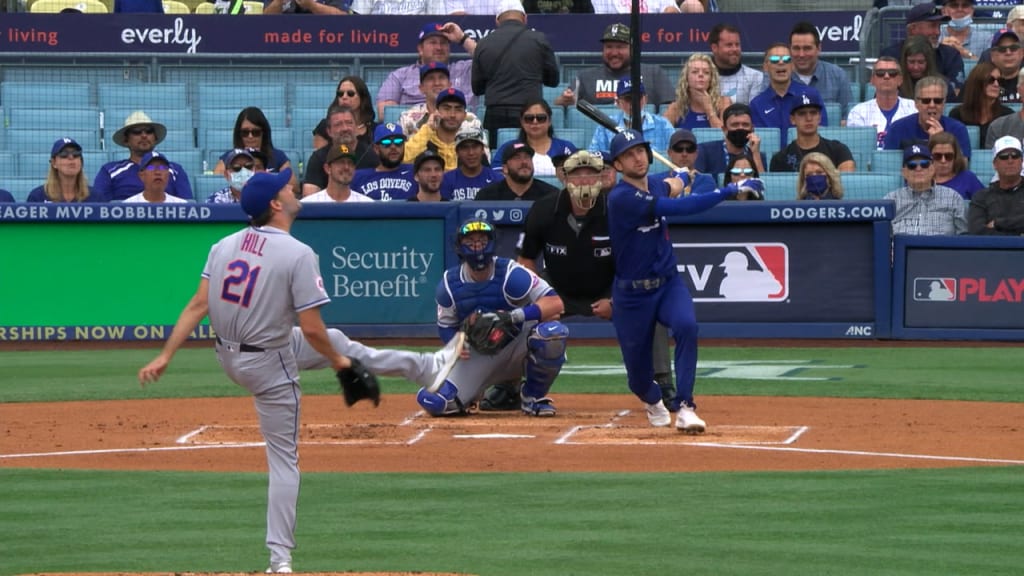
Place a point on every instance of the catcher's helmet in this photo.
(477, 259)
(627, 139)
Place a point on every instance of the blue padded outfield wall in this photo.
(123, 272)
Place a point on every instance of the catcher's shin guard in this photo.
(445, 402)
(546, 344)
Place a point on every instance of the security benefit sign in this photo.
(964, 288)
(806, 273)
(377, 271)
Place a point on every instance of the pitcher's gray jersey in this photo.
(260, 279)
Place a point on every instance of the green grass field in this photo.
(912, 522)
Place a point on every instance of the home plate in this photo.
(491, 436)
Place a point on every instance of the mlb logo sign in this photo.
(935, 289)
(754, 272)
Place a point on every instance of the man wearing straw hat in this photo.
(118, 180)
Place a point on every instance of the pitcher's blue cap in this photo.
(261, 189)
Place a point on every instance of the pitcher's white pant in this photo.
(418, 367)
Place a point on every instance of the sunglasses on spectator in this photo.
(931, 100)
(1013, 155)
(1006, 48)
(915, 164)
(138, 131)
(780, 59)
(155, 167)
(239, 167)
(252, 132)
(684, 147)
(739, 171)
(887, 73)
(69, 153)
(993, 79)
(349, 93)
(396, 141)
(943, 156)
(535, 118)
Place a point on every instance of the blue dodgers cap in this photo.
(62, 144)
(432, 29)
(150, 157)
(238, 152)
(434, 67)
(261, 189)
(916, 151)
(808, 99)
(626, 87)
(1003, 34)
(386, 130)
(450, 94)
(567, 150)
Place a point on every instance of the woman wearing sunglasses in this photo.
(981, 99)
(252, 130)
(352, 93)
(742, 168)
(536, 129)
(923, 208)
(818, 179)
(66, 181)
(951, 165)
(699, 101)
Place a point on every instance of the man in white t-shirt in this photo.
(887, 106)
(340, 166)
(154, 171)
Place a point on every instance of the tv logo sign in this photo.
(935, 289)
(755, 272)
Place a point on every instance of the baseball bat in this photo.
(598, 115)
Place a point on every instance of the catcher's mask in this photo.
(586, 186)
(478, 259)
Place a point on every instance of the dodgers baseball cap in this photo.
(230, 157)
(386, 130)
(261, 189)
(151, 157)
(434, 67)
(515, 147)
(616, 33)
(427, 156)
(339, 151)
(1005, 143)
(1003, 34)
(681, 135)
(916, 151)
(450, 94)
(559, 155)
(432, 29)
(809, 98)
(626, 87)
(926, 12)
(61, 144)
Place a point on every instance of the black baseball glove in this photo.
(489, 332)
(357, 383)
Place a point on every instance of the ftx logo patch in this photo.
(756, 272)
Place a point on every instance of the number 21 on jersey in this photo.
(240, 283)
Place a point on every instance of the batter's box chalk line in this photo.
(615, 434)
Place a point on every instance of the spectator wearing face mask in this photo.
(739, 139)
(818, 179)
(240, 164)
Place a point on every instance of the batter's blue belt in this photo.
(643, 283)
(243, 347)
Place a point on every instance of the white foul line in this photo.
(856, 453)
(134, 450)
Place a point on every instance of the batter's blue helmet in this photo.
(477, 259)
(627, 139)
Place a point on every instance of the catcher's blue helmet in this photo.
(627, 139)
(477, 259)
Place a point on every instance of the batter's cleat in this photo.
(279, 568)
(501, 397)
(688, 422)
(445, 360)
(658, 415)
(542, 407)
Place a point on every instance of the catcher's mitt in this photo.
(357, 383)
(489, 332)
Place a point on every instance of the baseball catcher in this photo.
(357, 383)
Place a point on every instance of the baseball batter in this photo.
(647, 286)
(255, 284)
(484, 282)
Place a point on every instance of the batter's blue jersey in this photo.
(640, 240)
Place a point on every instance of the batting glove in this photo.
(754, 187)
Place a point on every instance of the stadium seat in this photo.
(36, 140)
(974, 136)
(375, 75)
(981, 165)
(216, 139)
(577, 136)
(391, 113)
(36, 164)
(861, 140)
(175, 7)
(707, 134)
(318, 95)
(549, 93)
(265, 96)
(8, 164)
(869, 186)
(506, 135)
(191, 159)
(304, 120)
(204, 185)
(779, 185)
(55, 6)
(43, 94)
(84, 118)
(833, 112)
(20, 186)
(142, 96)
(179, 118)
(175, 140)
(887, 161)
